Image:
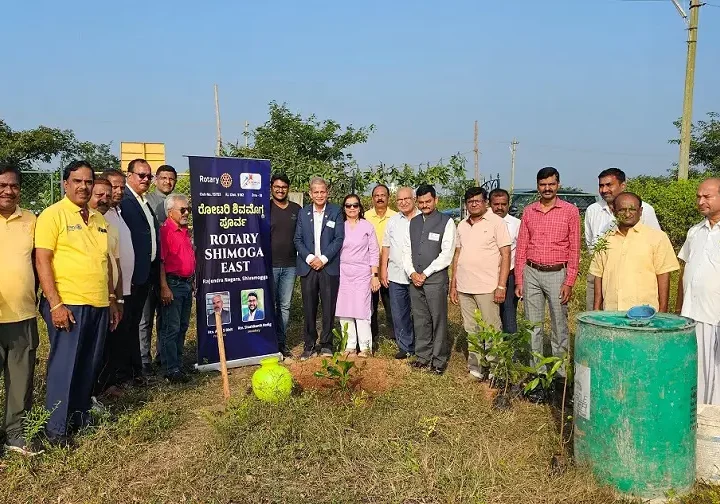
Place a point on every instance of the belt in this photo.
(546, 267)
(179, 278)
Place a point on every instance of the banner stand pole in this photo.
(223, 360)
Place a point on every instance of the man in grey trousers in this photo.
(18, 325)
(165, 180)
(427, 254)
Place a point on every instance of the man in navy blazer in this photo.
(319, 235)
(145, 233)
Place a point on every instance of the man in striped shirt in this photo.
(547, 258)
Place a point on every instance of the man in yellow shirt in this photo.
(633, 266)
(18, 325)
(78, 304)
(378, 216)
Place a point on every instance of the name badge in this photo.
(434, 237)
(331, 223)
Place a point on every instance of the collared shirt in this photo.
(251, 315)
(599, 219)
(114, 251)
(127, 253)
(379, 223)
(478, 265)
(630, 265)
(513, 226)
(397, 228)
(444, 258)
(156, 200)
(17, 283)
(549, 238)
(176, 250)
(318, 220)
(701, 279)
(149, 217)
(80, 252)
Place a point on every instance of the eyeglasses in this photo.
(281, 187)
(352, 205)
(475, 202)
(184, 210)
(143, 176)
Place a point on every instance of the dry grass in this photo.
(422, 439)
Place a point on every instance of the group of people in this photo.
(349, 259)
(111, 260)
(108, 257)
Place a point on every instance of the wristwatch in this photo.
(375, 275)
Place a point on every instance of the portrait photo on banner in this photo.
(218, 302)
(253, 304)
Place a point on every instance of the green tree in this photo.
(306, 147)
(704, 146)
(29, 147)
(98, 155)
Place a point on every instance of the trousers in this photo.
(18, 344)
(430, 321)
(323, 287)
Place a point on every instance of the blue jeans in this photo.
(174, 322)
(402, 316)
(284, 285)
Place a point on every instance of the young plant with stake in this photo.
(337, 368)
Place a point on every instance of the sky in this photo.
(582, 84)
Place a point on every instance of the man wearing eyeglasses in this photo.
(165, 180)
(177, 275)
(283, 219)
(480, 269)
(634, 268)
(145, 232)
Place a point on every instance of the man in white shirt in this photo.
(145, 232)
(427, 253)
(116, 354)
(500, 205)
(699, 289)
(392, 273)
(599, 218)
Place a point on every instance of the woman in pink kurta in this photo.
(359, 258)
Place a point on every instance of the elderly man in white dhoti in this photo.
(699, 289)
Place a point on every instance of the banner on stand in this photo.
(231, 229)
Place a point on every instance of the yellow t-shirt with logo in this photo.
(17, 284)
(80, 252)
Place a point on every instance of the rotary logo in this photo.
(226, 180)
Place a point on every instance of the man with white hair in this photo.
(177, 277)
(319, 236)
(699, 290)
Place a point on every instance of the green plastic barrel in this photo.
(635, 402)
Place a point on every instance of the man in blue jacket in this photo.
(145, 232)
(318, 239)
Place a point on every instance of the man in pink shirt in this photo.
(547, 258)
(177, 275)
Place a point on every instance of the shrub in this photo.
(674, 203)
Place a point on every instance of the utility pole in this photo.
(247, 126)
(477, 156)
(513, 149)
(686, 125)
(217, 123)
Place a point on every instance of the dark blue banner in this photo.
(231, 228)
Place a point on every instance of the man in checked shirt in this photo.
(547, 257)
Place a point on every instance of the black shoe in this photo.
(286, 353)
(436, 370)
(326, 352)
(177, 377)
(420, 365)
(401, 355)
(60, 441)
(308, 354)
(148, 369)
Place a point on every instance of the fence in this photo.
(42, 188)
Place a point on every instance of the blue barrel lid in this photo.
(661, 322)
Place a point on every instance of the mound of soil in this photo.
(372, 375)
